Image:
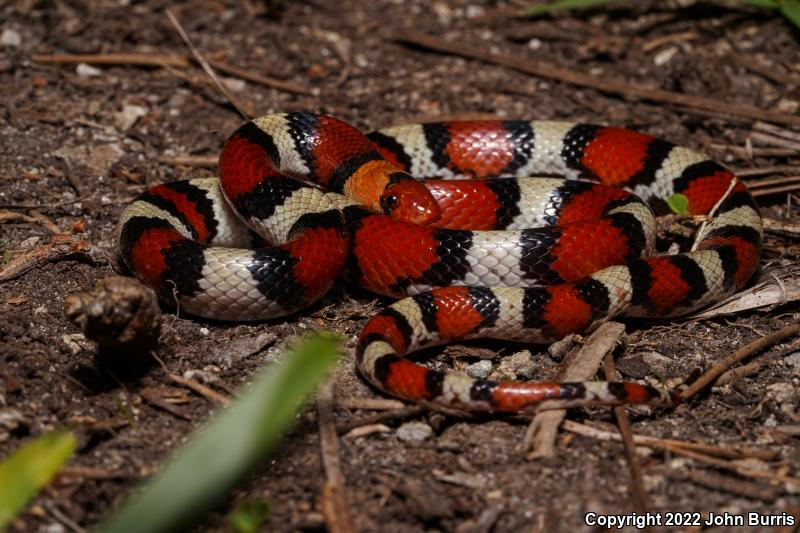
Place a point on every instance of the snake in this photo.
(517, 230)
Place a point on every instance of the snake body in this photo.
(474, 250)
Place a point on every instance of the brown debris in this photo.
(580, 364)
(745, 351)
(611, 85)
(120, 314)
(61, 247)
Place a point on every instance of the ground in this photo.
(79, 144)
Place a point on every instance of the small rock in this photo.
(235, 84)
(527, 371)
(633, 367)
(87, 71)
(30, 242)
(76, 342)
(414, 432)
(102, 157)
(480, 370)
(512, 364)
(10, 419)
(781, 392)
(793, 361)
(126, 118)
(10, 37)
(657, 362)
(559, 349)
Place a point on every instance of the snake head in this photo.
(406, 199)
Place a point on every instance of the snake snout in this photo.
(408, 200)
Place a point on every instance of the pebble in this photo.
(793, 360)
(126, 118)
(480, 370)
(87, 71)
(414, 432)
(10, 37)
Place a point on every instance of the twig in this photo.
(745, 351)
(579, 365)
(394, 414)
(749, 153)
(745, 370)
(780, 227)
(191, 160)
(363, 431)
(773, 140)
(776, 190)
(133, 58)
(287, 86)
(730, 484)
(637, 483)
(151, 396)
(760, 171)
(171, 60)
(200, 389)
(376, 404)
(783, 180)
(626, 88)
(335, 508)
(60, 247)
(777, 132)
(791, 483)
(34, 217)
(726, 452)
(206, 67)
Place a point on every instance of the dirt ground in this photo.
(80, 142)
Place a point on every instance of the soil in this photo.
(75, 150)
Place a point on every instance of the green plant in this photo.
(788, 8)
(235, 442)
(26, 471)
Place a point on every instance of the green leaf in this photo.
(248, 517)
(791, 10)
(679, 203)
(562, 5)
(26, 471)
(767, 4)
(235, 442)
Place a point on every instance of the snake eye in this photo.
(389, 202)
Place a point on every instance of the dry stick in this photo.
(376, 404)
(335, 508)
(200, 389)
(257, 78)
(775, 190)
(743, 352)
(579, 365)
(765, 182)
(725, 452)
(206, 67)
(144, 60)
(545, 70)
(760, 171)
(731, 485)
(747, 153)
(191, 160)
(637, 483)
(151, 60)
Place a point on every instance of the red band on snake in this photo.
(474, 247)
